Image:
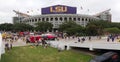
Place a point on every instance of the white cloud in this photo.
(94, 6)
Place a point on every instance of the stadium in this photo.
(58, 14)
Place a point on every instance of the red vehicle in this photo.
(34, 38)
(38, 37)
(49, 36)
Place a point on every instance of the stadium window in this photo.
(70, 18)
(61, 18)
(56, 19)
(86, 19)
(35, 20)
(39, 19)
(78, 19)
(47, 19)
(43, 19)
(82, 19)
(65, 19)
(51, 19)
(74, 19)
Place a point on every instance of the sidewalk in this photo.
(19, 42)
(93, 44)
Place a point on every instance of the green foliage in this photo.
(103, 24)
(6, 26)
(66, 25)
(43, 26)
(75, 31)
(71, 28)
(115, 25)
(97, 27)
(92, 30)
(22, 27)
(112, 30)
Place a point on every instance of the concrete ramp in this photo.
(98, 45)
(91, 45)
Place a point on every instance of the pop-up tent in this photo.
(2, 48)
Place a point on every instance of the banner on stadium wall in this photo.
(59, 9)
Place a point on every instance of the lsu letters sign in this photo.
(59, 9)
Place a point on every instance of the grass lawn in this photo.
(40, 54)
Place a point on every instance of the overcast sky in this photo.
(94, 6)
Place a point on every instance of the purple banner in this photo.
(59, 9)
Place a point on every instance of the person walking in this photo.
(89, 38)
(43, 42)
(78, 39)
(108, 39)
(11, 42)
(113, 39)
(6, 45)
(83, 39)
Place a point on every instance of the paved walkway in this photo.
(19, 42)
(93, 44)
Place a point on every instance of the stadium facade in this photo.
(58, 14)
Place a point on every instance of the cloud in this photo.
(94, 6)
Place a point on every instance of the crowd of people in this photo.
(9, 38)
(112, 38)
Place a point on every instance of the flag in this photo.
(27, 11)
(81, 8)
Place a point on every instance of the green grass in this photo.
(40, 54)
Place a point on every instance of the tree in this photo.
(6, 26)
(78, 31)
(104, 24)
(101, 23)
(115, 25)
(66, 25)
(97, 27)
(114, 30)
(100, 26)
(43, 26)
(22, 27)
(92, 30)
(71, 28)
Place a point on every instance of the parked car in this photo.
(49, 36)
(107, 57)
(34, 38)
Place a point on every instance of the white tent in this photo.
(2, 47)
